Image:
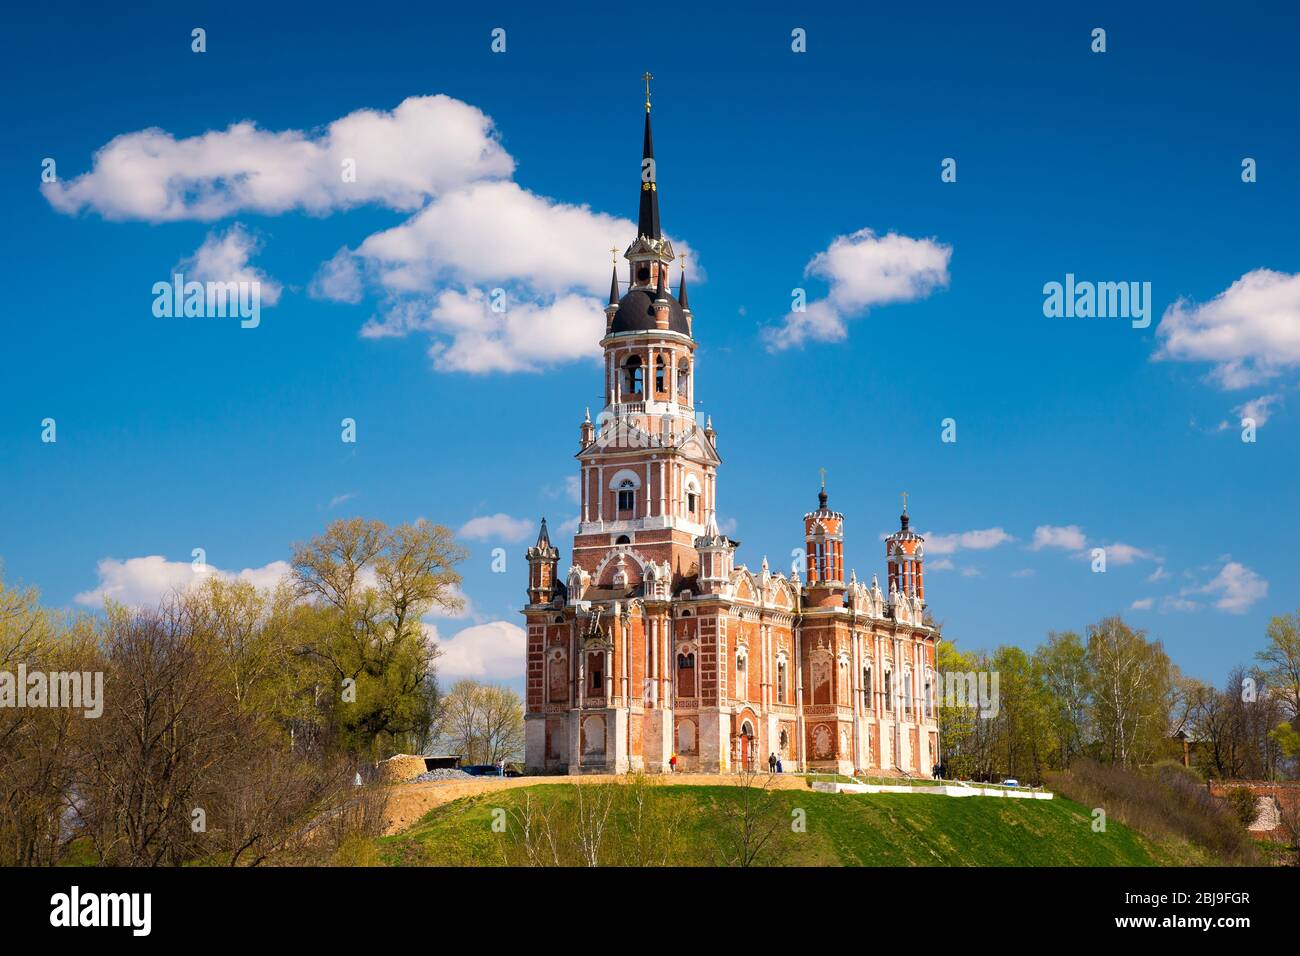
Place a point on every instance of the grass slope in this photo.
(842, 830)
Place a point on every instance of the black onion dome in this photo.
(636, 313)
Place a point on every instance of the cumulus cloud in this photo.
(1119, 553)
(981, 540)
(422, 148)
(471, 335)
(1259, 410)
(472, 229)
(1142, 604)
(498, 526)
(223, 257)
(1250, 331)
(493, 651)
(142, 582)
(1068, 537)
(1235, 588)
(863, 270)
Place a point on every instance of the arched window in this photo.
(623, 539)
(635, 375)
(866, 687)
(626, 495)
(686, 674)
(780, 680)
(889, 690)
(684, 381)
(661, 376)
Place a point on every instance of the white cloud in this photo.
(469, 336)
(473, 230)
(1142, 604)
(142, 582)
(341, 499)
(338, 280)
(1251, 330)
(1119, 553)
(424, 147)
(1236, 588)
(499, 526)
(1159, 574)
(1023, 573)
(863, 270)
(943, 564)
(981, 540)
(1069, 537)
(492, 651)
(223, 257)
(1260, 409)
(573, 488)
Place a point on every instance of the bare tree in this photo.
(753, 823)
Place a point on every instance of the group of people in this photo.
(774, 764)
(939, 771)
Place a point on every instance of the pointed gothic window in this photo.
(780, 682)
(690, 502)
(684, 381)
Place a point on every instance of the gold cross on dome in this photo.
(905, 502)
(822, 471)
(647, 77)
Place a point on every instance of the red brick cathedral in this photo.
(654, 643)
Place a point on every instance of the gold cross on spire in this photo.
(823, 474)
(905, 502)
(647, 77)
(613, 255)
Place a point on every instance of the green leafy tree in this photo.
(371, 586)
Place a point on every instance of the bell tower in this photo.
(648, 469)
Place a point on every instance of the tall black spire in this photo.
(648, 221)
(613, 287)
(681, 293)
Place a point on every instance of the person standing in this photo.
(672, 763)
(771, 763)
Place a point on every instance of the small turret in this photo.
(717, 552)
(905, 552)
(542, 560)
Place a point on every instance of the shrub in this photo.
(1165, 802)
(1244, 804)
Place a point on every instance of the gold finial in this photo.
(905, 502)
(647, 77)
(823, 474)
(613, 255)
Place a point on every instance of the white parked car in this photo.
(1011, 782)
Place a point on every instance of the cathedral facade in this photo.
(653, 643)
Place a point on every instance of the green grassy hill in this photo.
(841, 830)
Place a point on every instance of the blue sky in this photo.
(176, 433)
